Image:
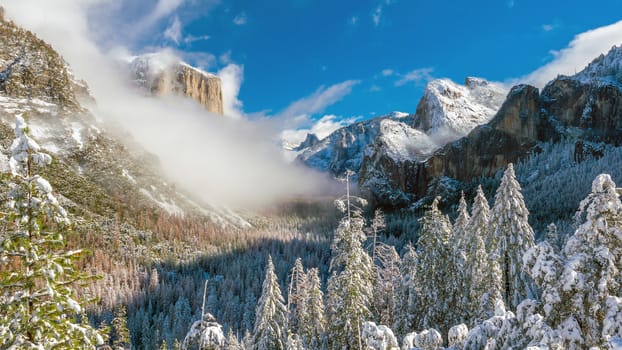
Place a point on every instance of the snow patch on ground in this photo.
(76, 134)
(169, 206)
(127, 175)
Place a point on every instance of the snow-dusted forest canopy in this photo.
(349, 280)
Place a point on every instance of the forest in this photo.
(314, 277)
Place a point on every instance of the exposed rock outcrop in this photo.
(163, 75)
(30, 68)
(310, 141)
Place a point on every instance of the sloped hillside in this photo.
(93, 170)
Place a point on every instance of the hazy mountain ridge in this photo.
(92, 168)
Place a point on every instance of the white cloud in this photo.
(240, 19)
(173, 32)
(353, 20)
(548, 27)
(417, 76)
(321, 128)
(387, 72)
(579, 52)
(375, 88)
(231, 77)
(189, 39)
(318, 101)
(376, 16)
(162, 9)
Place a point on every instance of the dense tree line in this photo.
(477, 281)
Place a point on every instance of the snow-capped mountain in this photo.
(446, 112)
(450, 108)
(605, 68)
(586, 107)
(344, 148)
(93, 170)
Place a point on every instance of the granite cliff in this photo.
(162, 75)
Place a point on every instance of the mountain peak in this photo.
(450, 107)
(605, 68)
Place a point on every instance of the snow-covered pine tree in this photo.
(460, 240)
(406, 311)
(480, 286)
(511, 236)
(204, 334)
(37, 271)
(582, 303)
(378, 224)
(460, 225)
(312, 326)
(386, 283)
(297, 297)
(388, 277)
(439, 298)
(350, 288)
(269, 332)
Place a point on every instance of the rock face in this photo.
(342, 150)
(457, 109)
(585, 107)
(310, 141)
(162, 75)
(30, 68)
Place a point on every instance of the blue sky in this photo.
(303, 60)
(291, 48)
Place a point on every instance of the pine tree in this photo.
(479, 284)
(350, 288)
(581, 297)
(297, 297)
(407, 311)
(232, 341)
(269, 332)
(460, 241)
(312, 327)
(120, 333)
(511, 236)
(460, 225)
(386, 282)
(439, 295)
(378, 224)
(37, 271)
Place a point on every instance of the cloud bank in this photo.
(222, 160)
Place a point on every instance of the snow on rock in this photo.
(127, 175)
(343, 149)
(457, 335)
(379, 337)
(429, 339)
(605, 69)
(205, 334)
(401, 142)
(451, 110)
(169, 206)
